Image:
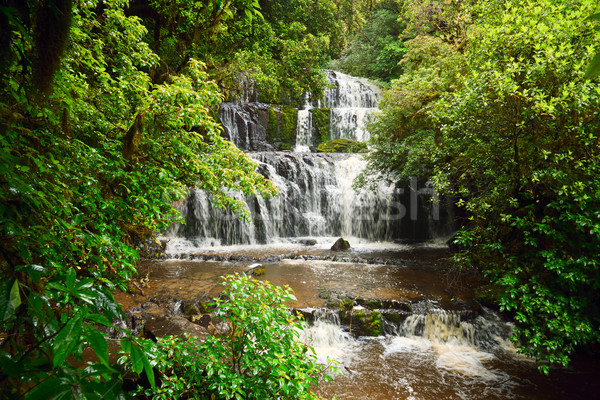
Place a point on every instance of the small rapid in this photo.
(431, 356)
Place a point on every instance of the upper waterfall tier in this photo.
(316, 199)
(344, 112)
(347, 91)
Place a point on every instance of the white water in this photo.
(433, 356)
(304, 132)
(315, 199)
(352, 102)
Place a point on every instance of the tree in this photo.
(515, 141)
(89, 168)
(376, 49)
(281, 45)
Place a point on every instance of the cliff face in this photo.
(343, 112)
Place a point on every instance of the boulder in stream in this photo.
(256, 270)
(340, 245)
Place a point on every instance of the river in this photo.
(446, 347)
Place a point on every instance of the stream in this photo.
(446, 346)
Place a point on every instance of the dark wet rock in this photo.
(203, 320)
(340, 245)
(307, 242)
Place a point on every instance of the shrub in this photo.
(256, 356)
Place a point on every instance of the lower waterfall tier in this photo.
(316, 199)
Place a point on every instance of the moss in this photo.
(346, 306)
(375, 323)
(342, 146)
(281, 127)
(259, 271)
(371, 304)
(204, 308)
(367, 323)
(322, 121)
(392, 317)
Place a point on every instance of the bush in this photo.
(256, 356)
(342, 146)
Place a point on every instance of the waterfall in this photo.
(315, 199)
(304, 132)
(349, 101)
(467, 348)
(352, 102)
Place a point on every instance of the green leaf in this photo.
(70, 281)
(148, 370)
(593, 68)
(67, 340)
(98, 343)
(52, 386)
(34, 271)
(10, 298)
(100, 319)
(15, 296)
(137, 358)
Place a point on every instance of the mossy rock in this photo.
(371, 304)
(342, 146)
(322, 123)
(340, 245)
(366, 323)
(205, 307)
(281, 127)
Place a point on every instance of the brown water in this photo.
(437, 357)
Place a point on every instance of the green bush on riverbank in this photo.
(256, 355)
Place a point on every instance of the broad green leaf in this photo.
(34, 271)
(52, 386)
(100, 319)
(67, 340)
(148, 370)
(593, 68)
(98, 343)
(137, 358)
(70, 279)
(15, 296)
(10, 298)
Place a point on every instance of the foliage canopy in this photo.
(507, 123)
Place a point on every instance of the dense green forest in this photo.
(490, 99)
(108, 116)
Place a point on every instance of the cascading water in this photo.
(350, 103)
(316, 199)
(457, 353)
(304, 132)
